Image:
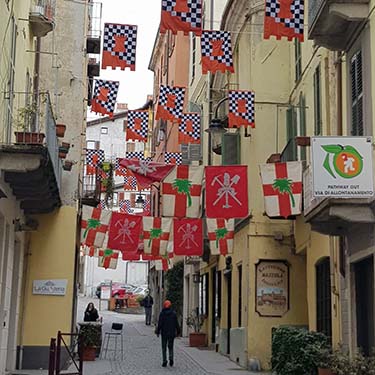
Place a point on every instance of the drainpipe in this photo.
(36, 81)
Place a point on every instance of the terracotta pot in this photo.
(325, 371)
(62, 154)
(65, 145)
(29, 138)
(88, 353)
(60, 130)
(197, 339)
(303, 141)
(274, 158)
(68, 165)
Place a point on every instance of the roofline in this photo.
(105, 119)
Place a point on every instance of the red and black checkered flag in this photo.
(216, 49)
(284, 18)
(241, 109)
(105, 95)
(181, 15)
(119, 46)
(137, 126)
(171, 103)
(173, 158)
(94, 158)
(189, 129)
(119, 169)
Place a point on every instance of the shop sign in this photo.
(105, 291)
(342, 167)
(50, 287)
(272, 288)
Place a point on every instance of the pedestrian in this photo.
(91, 313)
(168, 327)
(147, 303)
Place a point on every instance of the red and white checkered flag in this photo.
(119, 46)
(189, 129)
(104, 98)
(181, 15)
(282, 188)
(220, 235)
(171, 103)
(216, 50)
(241, 109)
(137, 126)
(284, 18)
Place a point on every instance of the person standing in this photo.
(147, 304)
(91, 313)
(169, 328)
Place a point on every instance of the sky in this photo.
(134, 86)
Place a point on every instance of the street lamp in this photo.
(216, 130)
(139, 202)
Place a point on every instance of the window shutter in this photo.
(302, 125)
(231, 149)
(190, 152)
(290, 151)
(357, 94)
(317, 102)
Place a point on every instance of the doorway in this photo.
(228, 278)
(364, 295)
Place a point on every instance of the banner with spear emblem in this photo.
(188, 237)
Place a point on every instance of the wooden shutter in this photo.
(231, 149)
(290, 151)
(317, 102)
(302, 123)
(357, 94)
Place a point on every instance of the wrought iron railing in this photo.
(45, 8)
(314, 10)
(95, 19)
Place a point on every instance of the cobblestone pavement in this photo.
(142, 352)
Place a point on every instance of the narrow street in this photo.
(142, 351)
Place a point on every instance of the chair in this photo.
(116, 331)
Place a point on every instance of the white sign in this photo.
(105, 292)
(342, 167)
(50, 287)
(309, 201)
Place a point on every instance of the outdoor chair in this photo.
(115, 333)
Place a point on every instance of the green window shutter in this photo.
(290, 151)
(298, 59)
(357, 94)
(302, 125)
(317, 102)
(231, 149)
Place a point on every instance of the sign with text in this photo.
(50, 287)
(342, 167)
(272, 288)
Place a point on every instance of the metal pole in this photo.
(52, 357)
(58, 353)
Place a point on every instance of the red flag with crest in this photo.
(188, 237)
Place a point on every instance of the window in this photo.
(104, 130)
(323, 297)
(298, 59)
(204, 295)
(193, 57)
(239, 272)
(92, 145)
(317, 102)
(290, 151)
(357, 94)
(231, 149)
(302, 122)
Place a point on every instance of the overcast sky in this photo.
(134, 86)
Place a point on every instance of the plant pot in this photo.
(29, 137)
(60, 130)
(303, 141)
(65, 145)
(68, 165)
(197, 339)
(88, 353)
(62, 154)
(325, 371)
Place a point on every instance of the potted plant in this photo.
(67, 166)
(90, 339)
(195, 321)
(325, 363)
(65, 145)
(60, 130)
(25, 117)
(303, 141)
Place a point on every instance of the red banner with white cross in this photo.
(282, 188)
(220, 235)
(226, 192)
(124, 232)
(156, 232)
(94, 225)
(90, 251)
(108, 258)
(284, 18)
(181, 192)
(188, 237)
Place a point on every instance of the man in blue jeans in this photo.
(169, 328)
(147, 304)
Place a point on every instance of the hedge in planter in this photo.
(297, 351)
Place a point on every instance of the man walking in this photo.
(168, 327)
(147, 304)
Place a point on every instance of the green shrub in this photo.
(91, 334)
(175, 287)
(297, 351)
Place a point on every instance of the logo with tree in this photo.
(284, 186)
(344, 161)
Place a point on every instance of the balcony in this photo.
(42, 17)
(91, 189)
(334, 216)
(333, 22)
(94, 28)
(30, 163)
(93, 67)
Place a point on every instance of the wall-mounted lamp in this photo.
(216, 129)
(139, 202)
(196, 278)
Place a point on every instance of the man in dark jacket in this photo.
(168, 327)
(147, 304)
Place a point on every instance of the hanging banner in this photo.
(171, 103)
(188, 237)
(189, 129)
(156, 232)
(241, 109)
(221, 235)
(104, 98)
(342, 167)
(137, 126)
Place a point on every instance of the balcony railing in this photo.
(42, 17)
(94, 32)
(91, 189)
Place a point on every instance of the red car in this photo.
(120, 290)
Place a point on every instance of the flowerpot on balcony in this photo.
(60, 130)
(62, 155)
(274, 158)
(88, 353)
(303, 141)
(65, 145)
(29, 137)
(325, 371)
(197, 339)
(68, 165)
